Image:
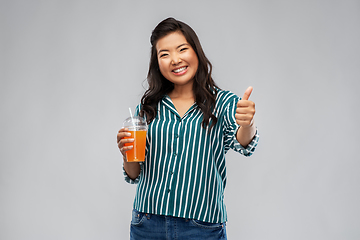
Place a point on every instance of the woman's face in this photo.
(178, 62)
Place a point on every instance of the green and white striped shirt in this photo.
(184, 173)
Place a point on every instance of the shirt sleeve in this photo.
(137, 110)
(230, 130)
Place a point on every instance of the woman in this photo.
(192, 124)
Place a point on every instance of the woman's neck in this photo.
(183, 91)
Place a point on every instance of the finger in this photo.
(123, 130)
(122, 133)
(245, 104)
(247, 93)
(124, 147)
(124, 150)
(125, 142)
(243, 117)
(245, 109)
(246, 123)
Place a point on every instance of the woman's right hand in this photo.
(121, 140)
(132, 169)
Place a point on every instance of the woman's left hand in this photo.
(245, 110)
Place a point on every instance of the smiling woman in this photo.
(178, 62)
(192, 124)
(203, 86)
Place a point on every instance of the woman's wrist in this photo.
(132, 169)
(246, 134)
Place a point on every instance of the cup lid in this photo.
(137, 121)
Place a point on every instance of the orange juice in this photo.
(137, 153)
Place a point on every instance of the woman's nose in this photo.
(176, 60)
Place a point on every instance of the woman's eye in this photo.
(163, 55)
(183, 49)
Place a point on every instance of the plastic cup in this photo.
(137, 127)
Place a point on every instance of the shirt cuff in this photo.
(250, 148)
(128, 179)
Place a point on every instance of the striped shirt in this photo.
(184, 173)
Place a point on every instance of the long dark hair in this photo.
(204, 87)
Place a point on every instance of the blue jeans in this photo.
(149, 226)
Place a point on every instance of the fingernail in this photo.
(128, 134)
(131, 139)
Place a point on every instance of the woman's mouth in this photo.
(180, 71)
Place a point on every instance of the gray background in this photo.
(70, 70)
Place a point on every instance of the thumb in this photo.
(247, 93)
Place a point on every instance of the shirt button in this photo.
(171, 172)
(176, 136)
(168, 190)
(175, 154)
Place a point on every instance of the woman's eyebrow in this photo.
(165, 50)
(162, 50)
(182, 45)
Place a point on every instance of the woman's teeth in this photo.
(179, 69)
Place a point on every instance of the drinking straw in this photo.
(132, 119)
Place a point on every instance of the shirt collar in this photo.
(166, 100)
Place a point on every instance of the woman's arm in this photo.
(245, 111)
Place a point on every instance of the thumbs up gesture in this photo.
(245, 110)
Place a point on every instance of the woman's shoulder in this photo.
(138, 110)
(225, 96)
